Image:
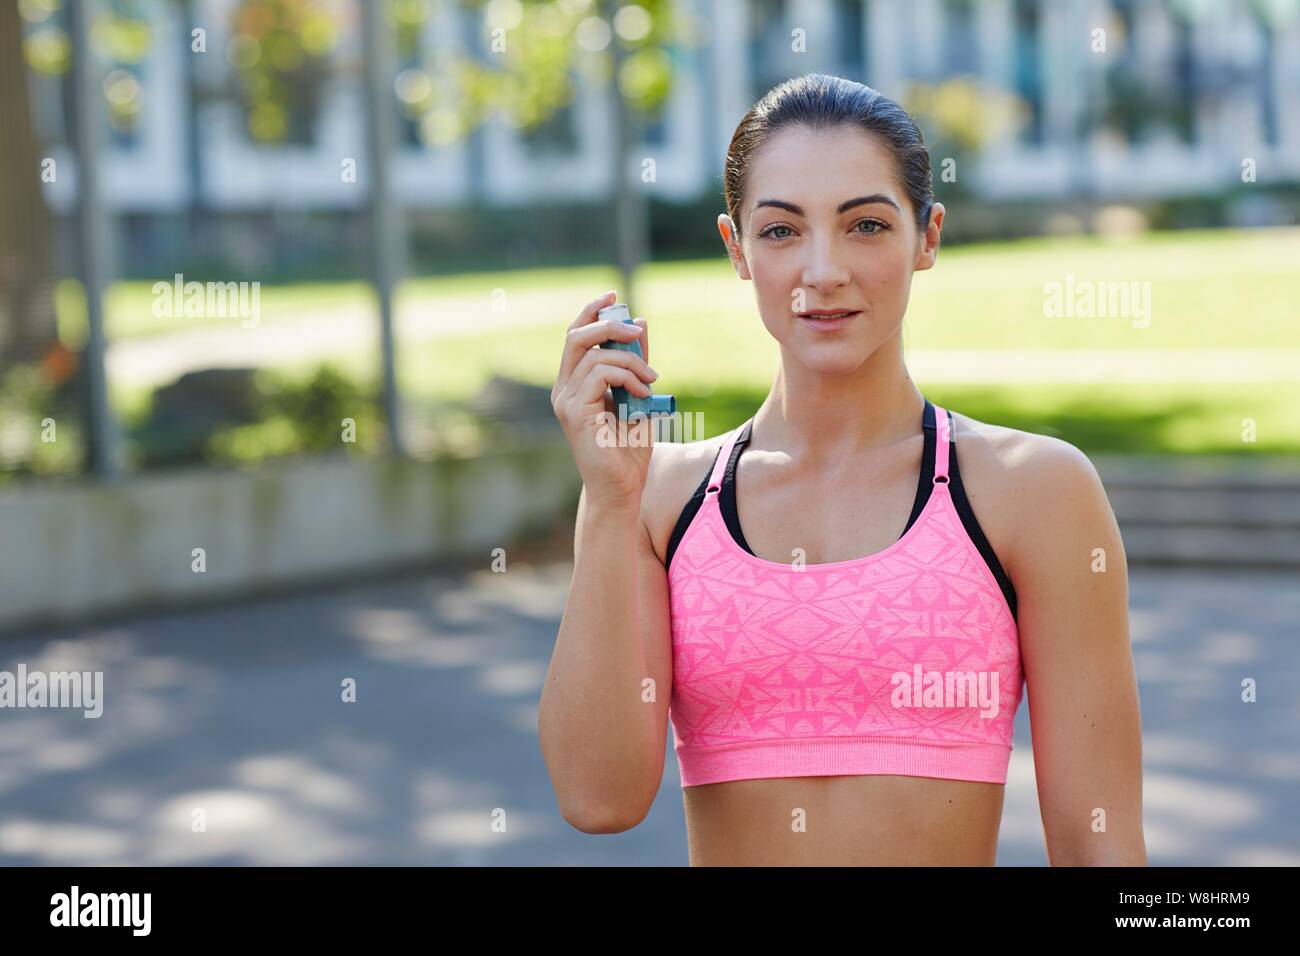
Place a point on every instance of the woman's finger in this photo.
(593, 357)
(582, 339)
(602, 376)
(585, 317)
(588, 313)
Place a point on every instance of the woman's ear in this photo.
(928, 247)
(732, 241)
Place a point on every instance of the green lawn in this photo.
(1208, 290)
(1213, 290)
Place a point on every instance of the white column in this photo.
(817, 19)
(995, 32)
(997, 44)
(1062, 44)
(885, 45)
(731, 69)
(1245, 109)
(927, 36)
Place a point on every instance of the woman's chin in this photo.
(832, 360)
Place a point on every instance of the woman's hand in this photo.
(613, 463)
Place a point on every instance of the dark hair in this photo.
(818, 101)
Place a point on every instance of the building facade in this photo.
(1171, 97)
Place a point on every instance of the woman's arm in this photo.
(1071, 578)
(602, 727)
(601, 718)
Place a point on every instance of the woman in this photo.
(839, 692)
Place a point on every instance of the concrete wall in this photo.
(73, 552)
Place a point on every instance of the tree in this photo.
(525, 72)
(27, 319)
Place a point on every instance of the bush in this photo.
(326, 412)
(241, 416)
(41, 431)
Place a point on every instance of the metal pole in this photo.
(629, 203)
(94, 238)
(387, 240)
(193, 137)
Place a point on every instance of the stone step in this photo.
(1208, 507)
(1229, 512)
(1201, 473)
(1211, 547)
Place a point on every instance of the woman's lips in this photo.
(829, 322)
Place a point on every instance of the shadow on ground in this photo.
(234, 717)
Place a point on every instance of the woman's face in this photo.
(826, 226)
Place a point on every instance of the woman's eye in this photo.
(768, 232)
(875, 224)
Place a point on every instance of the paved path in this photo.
(301, 335)
(237, 711)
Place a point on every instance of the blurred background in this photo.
(283, 286)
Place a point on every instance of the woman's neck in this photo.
(814, 417)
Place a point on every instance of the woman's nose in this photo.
(823, 269)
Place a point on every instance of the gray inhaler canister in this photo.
(635, 404)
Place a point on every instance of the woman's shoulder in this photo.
(1026, 456)
(1027, 488)
(676, 470)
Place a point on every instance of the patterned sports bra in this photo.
(906, 661)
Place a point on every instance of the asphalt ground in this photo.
(225, 738)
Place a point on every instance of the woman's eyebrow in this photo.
(843, 207)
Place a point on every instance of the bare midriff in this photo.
(875, 820)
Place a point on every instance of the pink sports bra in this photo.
(903, 662)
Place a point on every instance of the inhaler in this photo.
(635, 404)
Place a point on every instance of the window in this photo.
(553, 136)
(124, 38)
(282, 57)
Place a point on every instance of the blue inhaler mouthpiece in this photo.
(635, 404)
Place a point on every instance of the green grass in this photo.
(1208, 290)
(129, 305)
(1228, 289)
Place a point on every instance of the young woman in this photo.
(842, 675)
